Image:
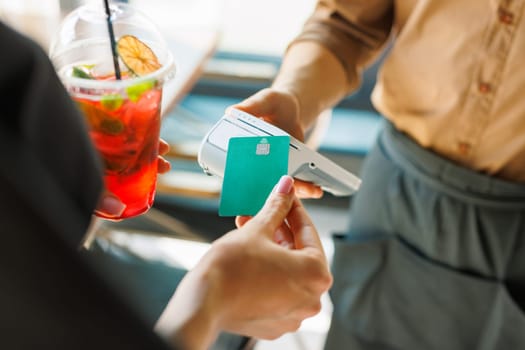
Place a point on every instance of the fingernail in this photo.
(299, 191)
(113, 206)
(285, 185)
(286, 244)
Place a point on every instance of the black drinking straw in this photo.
(112, 41)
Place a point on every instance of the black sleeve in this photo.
(46, 152)
(51, 297)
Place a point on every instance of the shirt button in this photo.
(505, 16)
(484, 88)
(464, 148)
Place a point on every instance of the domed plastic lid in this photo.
(83, 39)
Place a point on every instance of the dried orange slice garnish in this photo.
(137, 56)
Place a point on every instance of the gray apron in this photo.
(434, 257)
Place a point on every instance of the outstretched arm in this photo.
(249, 284)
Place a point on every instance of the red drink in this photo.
(125, 131)
(123, 115)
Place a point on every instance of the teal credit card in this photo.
(253, 166)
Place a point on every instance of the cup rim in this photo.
(165, 73)
(162, 75)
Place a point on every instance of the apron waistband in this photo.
(448, 177)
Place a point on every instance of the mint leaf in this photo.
(135, 91)
(82, 72)
(112, 101)
(111, 126)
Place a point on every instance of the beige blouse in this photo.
(454, 78)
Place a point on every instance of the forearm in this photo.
(190, 319)
(249, 284)
(316, 78)
(192, 334)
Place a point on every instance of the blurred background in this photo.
(225, 51)
(250, 26)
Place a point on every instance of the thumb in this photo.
(110, 205)
(275, 210)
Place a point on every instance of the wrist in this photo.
(191, 319)
(292, 95)
(197, 332)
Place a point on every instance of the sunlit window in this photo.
(249, 26)
(261, 27)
